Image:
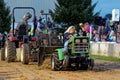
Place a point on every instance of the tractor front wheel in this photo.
(56, 64)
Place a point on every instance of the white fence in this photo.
(105, 49)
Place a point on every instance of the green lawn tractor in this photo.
(77, 56)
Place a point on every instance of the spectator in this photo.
(45, 42)
(0, 36)
(43, 26)
(96, 37)
(100, 28)
(1, 40)
(81, 30)
(112, 36)
(49, 23)
(118, 28)
(111, 25)
(105, 33)
(87, 28)
(60, 37)
(118, 37)
(81, 26)
(108, 23)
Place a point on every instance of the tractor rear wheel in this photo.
(56, 64)
(2, 54)
(10, 51)
(25, 54)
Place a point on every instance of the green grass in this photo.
(114, 59)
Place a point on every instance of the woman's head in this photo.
(71, 29)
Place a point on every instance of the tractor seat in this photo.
(22, 30)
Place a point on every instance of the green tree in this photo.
(73, 12)
(5, 17)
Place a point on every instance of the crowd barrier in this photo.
(105, 49)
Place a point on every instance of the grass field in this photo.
(108, 58)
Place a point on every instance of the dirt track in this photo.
(103, 70)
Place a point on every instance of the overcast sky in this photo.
(106, 6)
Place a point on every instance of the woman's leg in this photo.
(65, 47)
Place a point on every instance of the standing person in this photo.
(111, 24)
(105, 33)
(87, 28)
(118, 28)
(43, 26)
(49, 23)
(118, 33)
(82, 31)
(60, 37)
(118, 37)
(22, 26)
(108, 22)
(100, 28)
(81, 26)
(0, 40)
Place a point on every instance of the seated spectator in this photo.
(112, 36)
(96, 37)
(103, 38)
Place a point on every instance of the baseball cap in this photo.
(28, 15)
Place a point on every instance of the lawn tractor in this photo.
(77, 56)
(20, 47)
